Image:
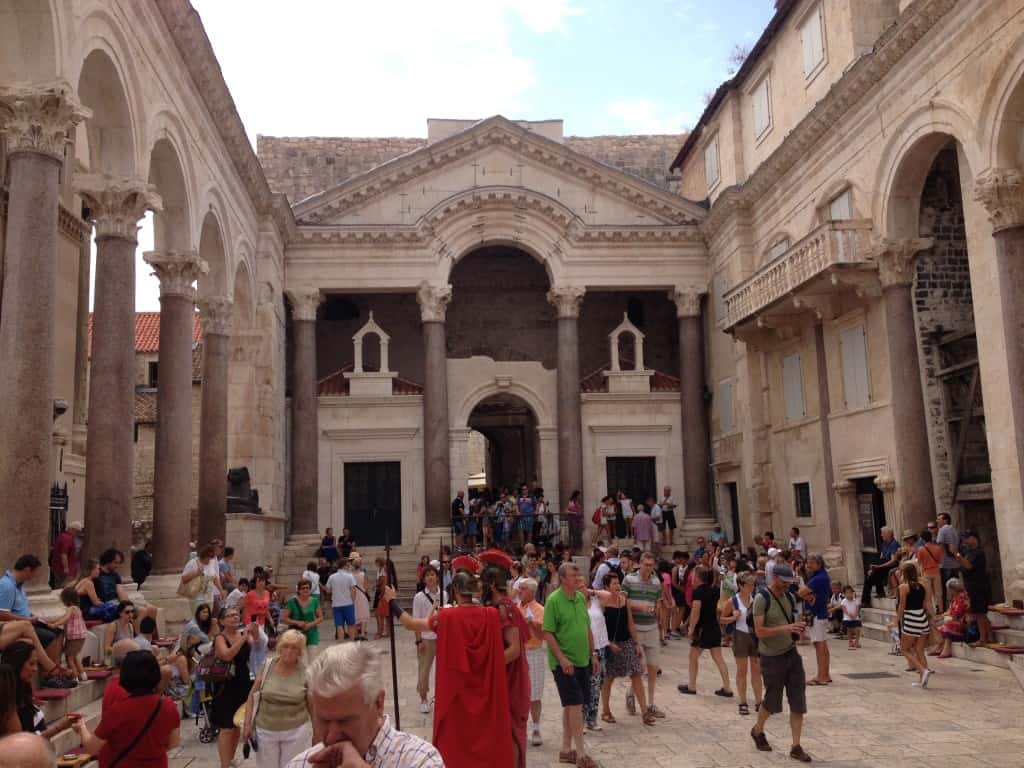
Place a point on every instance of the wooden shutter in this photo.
(761, 107)
(793, 387)
(853, 347)
(813, 41)
(726, 418)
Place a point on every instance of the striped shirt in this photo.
(643, 597)
(390, 749)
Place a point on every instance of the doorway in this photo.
(511, 451)
(870, 519)
(373, 502)
(981, 516)
(633, 474)
(734, 513)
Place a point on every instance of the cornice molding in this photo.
(72, 226)
(495, 131)
(910, 27)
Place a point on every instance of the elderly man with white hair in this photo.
(536, 656)
(346, 697)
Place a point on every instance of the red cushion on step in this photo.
(51, 694)
(98, 674)
(1007, 649)
(90, 623)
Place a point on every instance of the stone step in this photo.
(67, 740)
(80, 697)
(1008, 636)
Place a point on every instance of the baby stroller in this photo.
(210, 675)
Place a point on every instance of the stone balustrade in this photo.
(833, 244)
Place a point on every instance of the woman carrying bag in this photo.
(277, 723)
(140, 729)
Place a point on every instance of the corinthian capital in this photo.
(433, 301)
(567, 300)
(896, 259)
(116, 205)
(176, 271)
(687, 299)
(1001, 191)
(40, 118)
(305, 303)
(215, 314)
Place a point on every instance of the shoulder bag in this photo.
(195, 587)
(138, 737)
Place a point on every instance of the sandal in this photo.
(817, 682)
(744, 709)
(649, 718)
(725, 694)
(684, 688)
(608, 717)
(567, 757)
(586, 762)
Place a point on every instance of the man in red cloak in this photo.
(471, 709)
(515, 632)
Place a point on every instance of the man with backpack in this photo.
(778, 628)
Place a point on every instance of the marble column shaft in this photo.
(915, 494)
(172, 466)
(117, 206)
(37, 122)
(696, 493)
(215, 314)
(567, 303)
(433, 303)
(80, 405)
(305, 461)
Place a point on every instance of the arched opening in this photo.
(27, 49)
(211, 249)
(1010, 136)
(171, 225)
(499, 307)
(110, 147)
(511, 455)
(627, 346)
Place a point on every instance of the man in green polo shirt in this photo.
(571, 658)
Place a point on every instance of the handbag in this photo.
(193, 588)
(214, 669)
(138, 736)
(252, 742)
(596, 517)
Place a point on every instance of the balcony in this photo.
(810, 265)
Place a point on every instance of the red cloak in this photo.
(517, 675)
(471, 712)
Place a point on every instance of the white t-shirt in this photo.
(851, 609)
(313, 578)
(669, 502)
(800, 544)
(340, 586)
(235, 599)
(422, 607)
(211, 571)
(656, 514)
(627, 508)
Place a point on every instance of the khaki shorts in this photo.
(651, 642)
(744, 645)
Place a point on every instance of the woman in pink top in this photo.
(643, 528)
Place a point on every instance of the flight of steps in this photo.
(685, 537)
(1010, 632)
(87, 700)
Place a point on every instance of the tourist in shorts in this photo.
(643, 588)
(705, 633)
(778, 628)
(850, 607)
(341, 587)
(744, 642)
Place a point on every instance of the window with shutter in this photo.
(711, 169)
(853, 349)
(793, 387)
(778, 248)
(841, 206)
(726, 420)
(761, 101)
(813, 39)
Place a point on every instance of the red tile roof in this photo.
(337, 385)
(145, 406)
(147, 331)
(597, 382)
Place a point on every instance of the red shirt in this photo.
(114, 693)
(125, 720)
(64, 545)
(256, 608)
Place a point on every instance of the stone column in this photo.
(567, 301)
(433, 301)
(37, 121)
(172, 466)
(914, 492)
(116, 206)
(696, 472)
(305, 437)
(1001, 192)
(215, 313)
(80, 406)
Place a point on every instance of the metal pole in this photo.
(391, 630)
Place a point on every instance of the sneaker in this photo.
(424, 707)
(535, 738)
(761, 741)
(631, 703)
(797, 753)
(656, 711)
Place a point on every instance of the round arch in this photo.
(211, 249)
(1000, 124)
(29, 41)
(243, 296)
(172, 224)
(110, 134)
(908, 158)
(545, 419)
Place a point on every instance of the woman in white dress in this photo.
(362, 601)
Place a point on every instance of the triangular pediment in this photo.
(504, 161)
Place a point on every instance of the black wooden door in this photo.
(373, 502)
(734, 512)
(634, 475)
(870, 519)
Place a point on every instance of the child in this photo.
(74, 631)
(237, 596)
(835, 609)
(851, 617)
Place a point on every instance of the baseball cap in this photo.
(773, 551)
(785, 573)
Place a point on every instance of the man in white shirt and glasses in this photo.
(346, 695)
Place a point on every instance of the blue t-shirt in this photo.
(525, 504)
(13, 597)
(888, 550)
(106, 586)
(821, 585)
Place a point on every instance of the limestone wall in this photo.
(648, 157)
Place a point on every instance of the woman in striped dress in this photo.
(914, 616)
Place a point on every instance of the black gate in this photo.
(58, 518)
(373, 502)
(870, 519)
(634, 475)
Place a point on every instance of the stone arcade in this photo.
(831, 338)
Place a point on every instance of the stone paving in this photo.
(970, 714)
